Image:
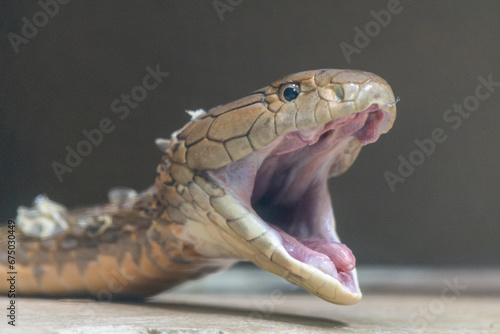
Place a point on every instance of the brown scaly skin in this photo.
(132, 257)
(189, 224)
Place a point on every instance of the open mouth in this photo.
(285, 185)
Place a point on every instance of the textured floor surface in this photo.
(245, 300)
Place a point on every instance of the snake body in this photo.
(243, 181)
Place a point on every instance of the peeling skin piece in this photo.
(244, 181)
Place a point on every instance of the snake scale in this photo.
(243, 181)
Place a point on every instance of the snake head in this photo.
(262, 165)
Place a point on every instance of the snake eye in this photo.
(289, 92)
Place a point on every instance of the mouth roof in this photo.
(285, 185)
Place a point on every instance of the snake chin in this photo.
(285, 184)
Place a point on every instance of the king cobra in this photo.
(243, 181)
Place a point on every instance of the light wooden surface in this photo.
(245, 300)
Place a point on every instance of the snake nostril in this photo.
(339, 91)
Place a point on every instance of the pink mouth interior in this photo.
(285, 183)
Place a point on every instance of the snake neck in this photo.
(126, 247)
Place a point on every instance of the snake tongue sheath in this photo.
(244, 181)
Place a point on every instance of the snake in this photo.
(244, 181)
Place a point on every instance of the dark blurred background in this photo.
(62, 77)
